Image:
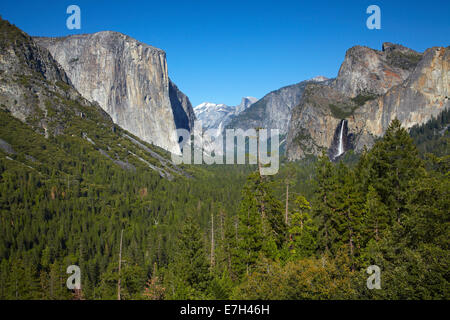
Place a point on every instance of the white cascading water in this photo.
(341, 142)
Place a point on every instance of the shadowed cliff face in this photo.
(372, 89)
(341, 139)
(128, 79)
(183, 112)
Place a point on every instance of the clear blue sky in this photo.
(220, 51)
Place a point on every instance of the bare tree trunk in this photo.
(212, 240)
(259, 154)
(222, 225)
(287, 204)
(263, 207)
(120, 265)
(351, 249)
(376, 231)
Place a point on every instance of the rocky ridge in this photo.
(128, 79)
(372, 88)
(36, 93)
(273, 111)
(218, 116)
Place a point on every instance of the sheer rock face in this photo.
(424, 94)
(34, 88)
(128, 79)
(181, 107)
(369, 96)
(273, 111)
(312, 126)
(366, 70)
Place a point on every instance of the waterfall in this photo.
(340, 149)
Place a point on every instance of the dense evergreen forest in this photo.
(225, 232)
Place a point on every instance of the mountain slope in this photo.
(35, 90)
(129, 80)
(372, 88)
(273, 111)
(213, 115)
(218, 116)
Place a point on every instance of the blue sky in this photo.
(220, 51)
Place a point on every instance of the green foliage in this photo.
(10, 34)
(302, 230)
(407, 61)
(361, 99)
(345, 110)
(190, 276)
(393, 163)
(261, 229)
(63, 202)
(433, 136)
(340, 112)
(306, 279)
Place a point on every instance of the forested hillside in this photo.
(433, 136)
(73, 184)
(214, 237)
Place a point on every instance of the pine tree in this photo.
(349, 213)
(261, 229)
(376, 218)
(190, 269)
(394, 163)
(302, 230)
(325, 203)
(252, 228)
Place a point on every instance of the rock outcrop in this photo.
(246, 102)
(366, 70)
(183, 112)
(21, 55)
(313, 123)
(424, 94)
(212, 115)
(35, 90)
(33, 85)
(273, 111)
(129, 80)
(372, 88)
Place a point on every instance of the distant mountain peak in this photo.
(319, 79)
(206, 104)
(216, 116)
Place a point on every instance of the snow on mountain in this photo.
(217, 116)
(319, 79)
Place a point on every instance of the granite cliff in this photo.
(37, 97)
(372, 88)
(273, 111)
(129, 80)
